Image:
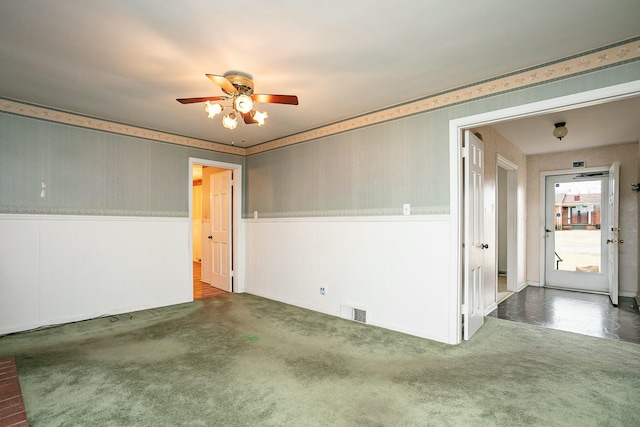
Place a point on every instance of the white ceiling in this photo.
(128, 60)
(603, 124)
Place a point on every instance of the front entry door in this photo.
(576, 221)
(220, 237)
(474, 245)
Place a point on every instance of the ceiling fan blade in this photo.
(276, 99)
(248, 119)
(202, 99)
(223, 83)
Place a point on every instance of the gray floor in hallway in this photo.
(582, 313)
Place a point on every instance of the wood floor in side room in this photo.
(202, 290)
(503, 292)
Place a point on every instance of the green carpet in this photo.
(247, 361)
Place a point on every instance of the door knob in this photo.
(210, 237)
(484, 246)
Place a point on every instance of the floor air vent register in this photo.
(359, 315)
(354, 313)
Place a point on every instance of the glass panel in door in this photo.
(575, 258)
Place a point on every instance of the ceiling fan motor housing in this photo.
(243, 84)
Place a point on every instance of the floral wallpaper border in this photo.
(22, 109)
(617, 54)
(604, 58)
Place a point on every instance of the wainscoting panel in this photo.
(57, 269)
(395, 268)
(19, 274)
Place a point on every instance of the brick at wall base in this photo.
(12, 412)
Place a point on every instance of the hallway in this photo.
(582, 313)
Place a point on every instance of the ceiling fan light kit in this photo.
(230, 121)
(259, 117)
(212, 109)
(243, 104)
(239, 90)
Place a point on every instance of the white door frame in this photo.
(512, 221)
(613, 230)
(236, 214)
(456, 128)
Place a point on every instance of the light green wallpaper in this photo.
(90, 172)
(374, 170)
(367, 171)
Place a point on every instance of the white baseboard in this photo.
(489, 309)
(523, 285)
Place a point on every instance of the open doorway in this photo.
(456, 131)
(215, 194)
(506, 228)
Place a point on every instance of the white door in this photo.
(576, 218)
(221, 271)
(474, 245)
(613, 231)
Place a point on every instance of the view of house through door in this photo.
(212, 229)
(577, 214)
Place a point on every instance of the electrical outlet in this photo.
(323, 290)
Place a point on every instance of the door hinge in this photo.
(231, 183)
(463, 308)
(232, 273)
(465, 152)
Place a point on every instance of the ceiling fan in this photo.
(238, 88)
